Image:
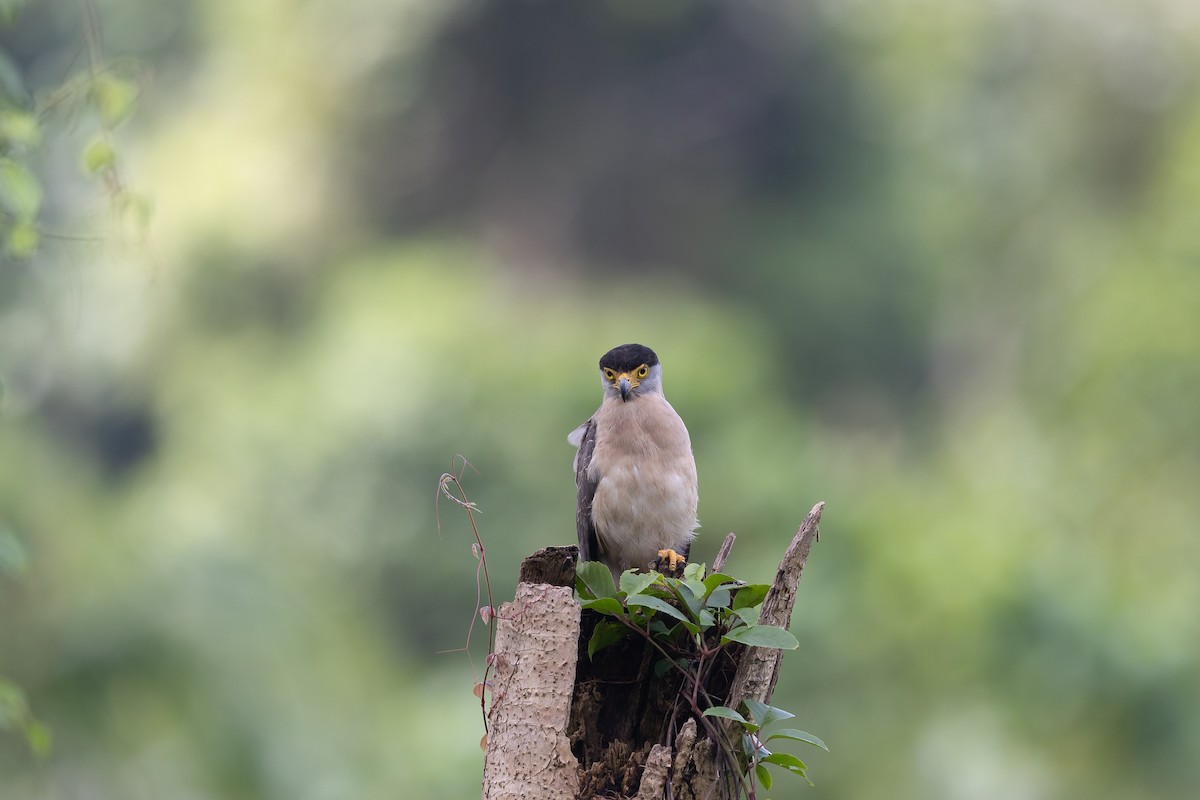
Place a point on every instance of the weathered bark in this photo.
(759, 670)
(528, 755)
(563, 725)
(723, 552)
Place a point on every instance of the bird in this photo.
(634, 470)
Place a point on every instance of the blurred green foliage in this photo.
(102, 91)
(936, 264)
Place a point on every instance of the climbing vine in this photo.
(692, 622)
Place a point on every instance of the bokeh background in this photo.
(935, 263)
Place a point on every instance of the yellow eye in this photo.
(643, 371)
(609, 374)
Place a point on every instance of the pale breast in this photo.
(646, 497)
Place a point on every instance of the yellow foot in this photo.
(671, 563)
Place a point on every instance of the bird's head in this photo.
(630, 370)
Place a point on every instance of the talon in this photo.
(671, 563)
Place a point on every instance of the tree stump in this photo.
(564, 726)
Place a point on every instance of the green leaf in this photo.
(687, 594)
(697, 590)
(609, 606)
(114, 97)
(762, 636)
(596, 580)
(20, 128)
(39, 738)
(98, 156)
(751, 594)
(658, 604)
(749, 614)
(718, 579)
(718, 598)
(764, 776)
(23, 239)
(633, 582)
(787, 761)
(726, 712)
(659, 628)
(20, 191)
(764, 714)
(606, 633)
(799, 736)
(693, 572)
(748, 747)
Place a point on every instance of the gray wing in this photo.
(589, 544)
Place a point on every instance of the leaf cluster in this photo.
(692, 621)
(755, 753)
(706, 607)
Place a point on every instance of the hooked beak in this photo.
(625, 385)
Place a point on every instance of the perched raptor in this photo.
(634, 470)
